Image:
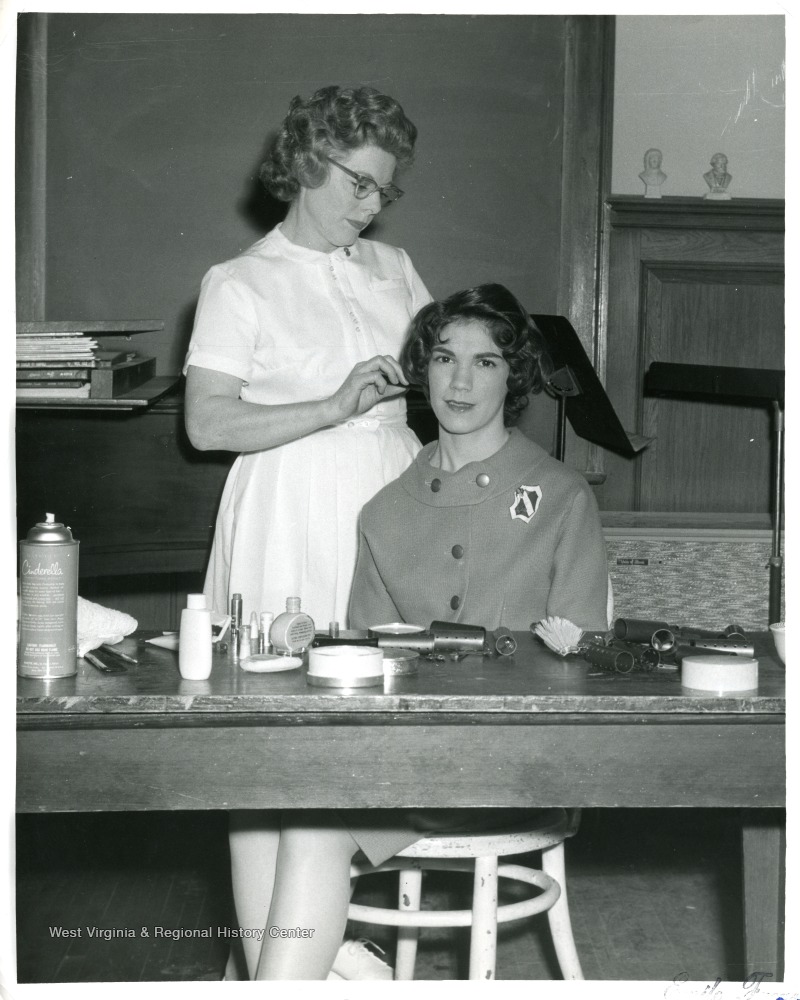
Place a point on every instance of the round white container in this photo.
(345, 666)
(719, 673)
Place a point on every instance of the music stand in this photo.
(579, 394)
(746, 385)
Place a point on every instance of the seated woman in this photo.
(484, 527)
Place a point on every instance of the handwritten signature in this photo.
(749, 988)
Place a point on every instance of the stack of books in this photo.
(59, 363)
(55, 365)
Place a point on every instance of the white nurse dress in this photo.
(291, 323)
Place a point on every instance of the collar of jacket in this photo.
(513, 465)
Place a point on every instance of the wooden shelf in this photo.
(140, 398)
(684, 523)
(743, 214)
(109, 327)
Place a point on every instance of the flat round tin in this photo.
(399, 662)
(345, 666)
(335, 682)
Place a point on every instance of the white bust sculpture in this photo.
(718, 178)
(652, 176)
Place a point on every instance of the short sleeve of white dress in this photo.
(291, 323)
(226, 326)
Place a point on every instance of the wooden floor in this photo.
(653, 893)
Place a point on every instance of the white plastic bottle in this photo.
(194, 650)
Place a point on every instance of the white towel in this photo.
(97, 625)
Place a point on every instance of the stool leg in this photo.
(407, 937)
(483, 941)
(558, 915)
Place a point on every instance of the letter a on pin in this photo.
(526, 502)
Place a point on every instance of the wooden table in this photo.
(534, 729)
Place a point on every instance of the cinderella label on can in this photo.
(48, 602)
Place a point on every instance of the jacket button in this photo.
(436, 485)
(482, 480)
(457, 551)
(454, 602)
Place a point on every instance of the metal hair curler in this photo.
(708, 648)
(645, 657)
(450, 637)
(700, 646)
(442, 637)
(423, 642)
(619, 661)
(735, 632)
(501, 641)
(663, 640)
(637, 629)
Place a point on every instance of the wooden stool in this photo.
(545, 831)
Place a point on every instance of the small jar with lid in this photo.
(292, 632)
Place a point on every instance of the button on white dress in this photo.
(291, 323)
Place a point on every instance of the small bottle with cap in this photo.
(236, 622)
(265, 624)
(244, 642)
(293, 631)
(194, 649)
(254, 633)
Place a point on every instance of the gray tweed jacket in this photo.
(506, 541)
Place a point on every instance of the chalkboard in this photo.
(157, 123)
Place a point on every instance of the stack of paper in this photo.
(54, 365)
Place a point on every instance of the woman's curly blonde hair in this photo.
(333, 120)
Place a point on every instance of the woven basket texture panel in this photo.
(709, 584)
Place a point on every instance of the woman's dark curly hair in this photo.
(333, 120)
(510, 327)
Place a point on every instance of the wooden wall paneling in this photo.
(139, 498)
(691, 285)
(588, 112)
(755, 251)
(31, 164)
(155, 600)
(709, 455)
(623, 364)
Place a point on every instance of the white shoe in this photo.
(355, 961)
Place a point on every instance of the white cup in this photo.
(779, 637)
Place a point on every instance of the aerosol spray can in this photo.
(48, 602)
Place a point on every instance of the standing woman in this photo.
(292, 364)
(292, 360)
